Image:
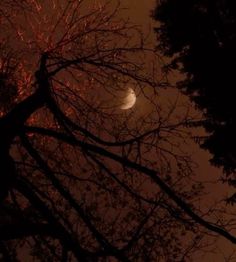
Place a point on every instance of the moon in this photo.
(129, 100)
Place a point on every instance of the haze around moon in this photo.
(129, 100)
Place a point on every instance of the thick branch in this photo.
(20, 230)
(148, 172)
(66, 194)
(65, 237)
(11, 124)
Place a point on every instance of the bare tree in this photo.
(82, 180)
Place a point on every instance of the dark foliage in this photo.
(200, 38)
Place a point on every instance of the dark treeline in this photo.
(200, 38)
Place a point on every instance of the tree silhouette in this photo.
(81, 181)
(199, 37)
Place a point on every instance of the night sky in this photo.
(139, 13)
(216, 191)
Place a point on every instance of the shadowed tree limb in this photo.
(66, 194)
(65, 237)
(20, 230)
(148, 172)
(12, 123)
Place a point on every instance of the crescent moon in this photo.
(129, 100)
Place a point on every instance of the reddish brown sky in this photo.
(139, 12)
